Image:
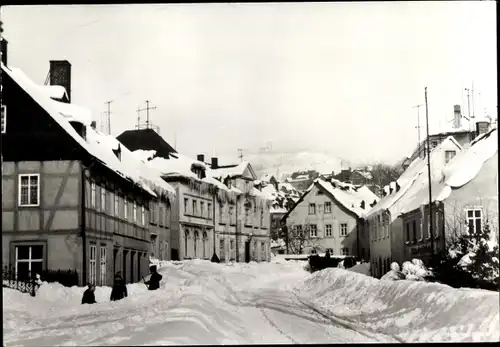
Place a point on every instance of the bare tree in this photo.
(299, 237)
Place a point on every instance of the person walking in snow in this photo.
(327, 254)
(88, 295)
(154, 280)
(119, 290)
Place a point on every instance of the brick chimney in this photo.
(3, 48)
(457, 115)
(215, 163)
(482, 127)
(60, 75)
(201, 157)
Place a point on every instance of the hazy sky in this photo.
(337, 77)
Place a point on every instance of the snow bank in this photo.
(410, 311)
(363, 268)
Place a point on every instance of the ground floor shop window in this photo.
(29, 261)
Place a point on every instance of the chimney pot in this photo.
(93, 124)
(457, 116)
(201, 157)
(215, 163)
(60, 75)
(3, 48)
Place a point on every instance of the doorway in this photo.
(247, 251)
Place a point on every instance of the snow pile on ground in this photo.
(412, 271)
(410, 311)
(362, 268)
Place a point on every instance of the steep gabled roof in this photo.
(243, 170)
(98, 145)
(146, 139)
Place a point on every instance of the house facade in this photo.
(69, 200)
(459, 205)
(392, 217)
(330, 213)
(243, 228)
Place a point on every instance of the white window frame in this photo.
(311, 228)
(30, 260)
(312, 207)
(134, 211)
(195, 207)
(20, 186)
(474, 218)
(103, 199)
(125, 208)
(92, 264)
(143, 215)
(328, 207)
(341, 230)
(4, 118)
(116, 204)
(344, 251)
(102, 263)
(328, 230)
(92, 194)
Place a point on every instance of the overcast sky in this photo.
(337, 77)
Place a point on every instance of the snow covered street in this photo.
(204, 303)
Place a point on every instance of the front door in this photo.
(247, 251)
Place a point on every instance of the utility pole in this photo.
(108, 115)
(429, 174)
(418, 126)
(241, 154)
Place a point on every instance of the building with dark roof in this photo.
(146, 139)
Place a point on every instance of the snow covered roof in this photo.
(412, 183)
(365, 174)
(349, 195)
(54, 92)
(98, 145)
(234, 171)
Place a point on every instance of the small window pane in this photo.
(471, 226)
(478, 225)
(33, 180)
(23, 252)
(33, 195)
(36, 268)
(24, 180)
(477, 213)
(36, 252)
(470, 213)
(23, 271)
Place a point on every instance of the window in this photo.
(102, 260)
(29, 192)
(195, 208)
(4, 118)
(313, 230)
(92, 194)
(202, 209)
(103, 199)
(220, 213)
(247, 211)
(262, 250)
(186, 237)
(343, 229)
(254, 208)
(312, 208)
(231, 209)
(134, 211)
(474, 218)
(449, 155)
(221, 248)
(205, 242)
(186, 203)
(328, 230)
(434, 144)
(329, 250)
(152, 212)
(421, 228)
(328, 207)
(344, 251)
(92, 264)
(196, 237)
(143, 215)
(232, 244)
(116, 213)
(298, 229)
(262, 216)
(125, 208)
(209, 208)
(408, 237)
(319, 192)
(29, 261)
(414, 224)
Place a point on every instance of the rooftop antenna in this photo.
(468, 106)
(138, 118)
(418, 125)
(241, 154)
(108, 115)
(148, 124)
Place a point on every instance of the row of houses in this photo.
(348, 219)
(74, 198)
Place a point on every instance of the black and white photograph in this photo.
(249, 173)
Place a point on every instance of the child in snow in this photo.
(119, 290)
(154, 280)
(88, 295)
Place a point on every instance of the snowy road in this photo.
(200, 303)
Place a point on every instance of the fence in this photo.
(28, 283)
(25, 284)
